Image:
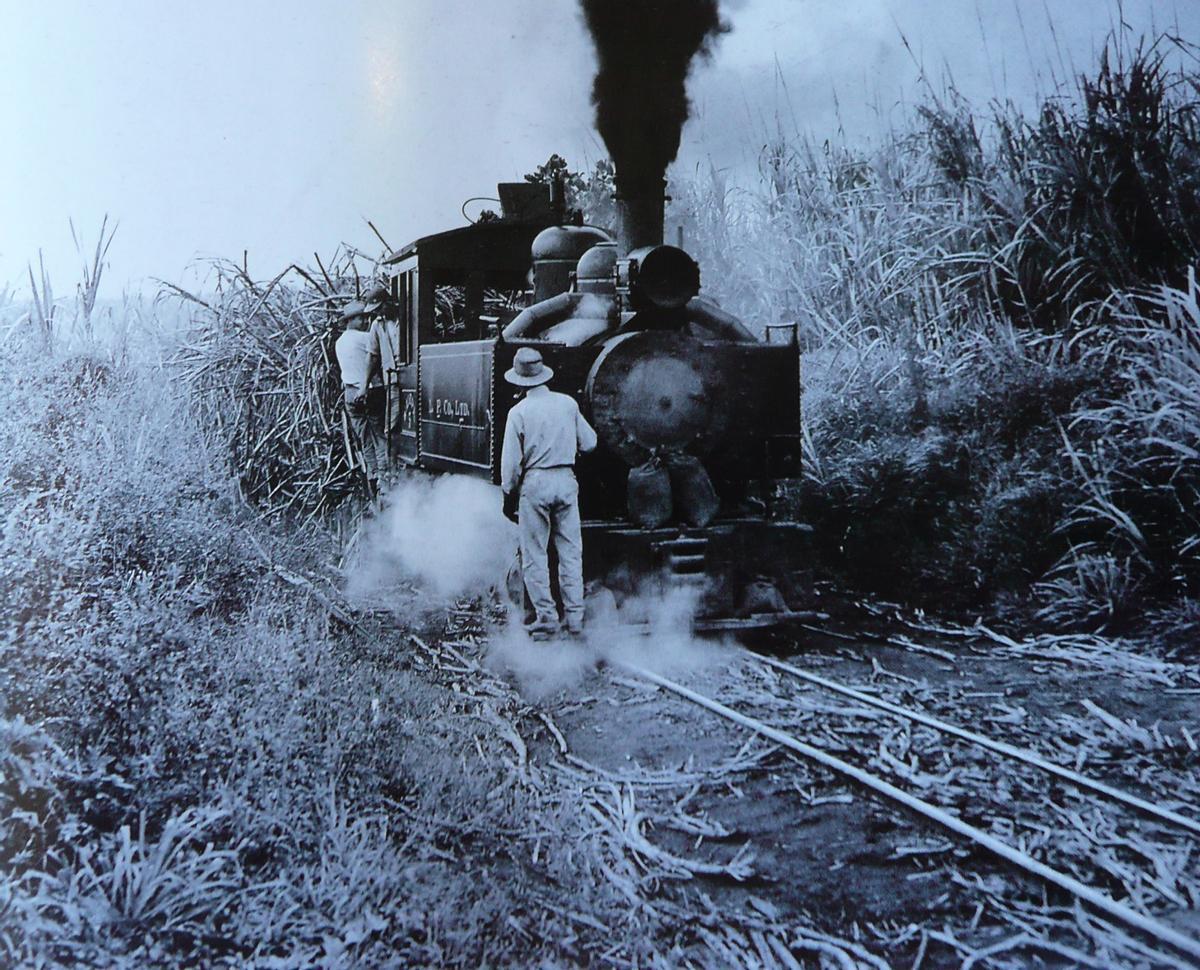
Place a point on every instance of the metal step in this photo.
(684, 557)
(683, 543)
(692, 582)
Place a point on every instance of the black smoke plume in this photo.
(645, 48)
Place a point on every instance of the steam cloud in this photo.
(645, 48)
(447, 537)
(653, 629)
(447, 533)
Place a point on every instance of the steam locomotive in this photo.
(667, 379)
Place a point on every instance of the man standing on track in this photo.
(544, 434)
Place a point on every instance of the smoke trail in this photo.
(645, 48)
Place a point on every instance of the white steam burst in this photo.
(447, 534)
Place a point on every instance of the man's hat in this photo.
(355, 308)
(528, 370)
(375, 297)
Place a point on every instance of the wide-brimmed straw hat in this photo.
(355, 308)
(375, 297)
(528, 369)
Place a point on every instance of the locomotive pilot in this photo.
(544, 434)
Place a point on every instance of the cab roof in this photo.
(502, 245)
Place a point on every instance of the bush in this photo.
(1000, 342)
(939, 490)
(197, 764)
(1109, 189)
(258, 362)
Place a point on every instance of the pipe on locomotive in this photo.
(662, 280)
(651, 286)
(541, 316)
(706, 319)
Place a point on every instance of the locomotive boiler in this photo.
(682, 394)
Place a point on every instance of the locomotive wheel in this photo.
(652, 390)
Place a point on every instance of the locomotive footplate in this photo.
(740, 573)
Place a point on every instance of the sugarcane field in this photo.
(676, 483)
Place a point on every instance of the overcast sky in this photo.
(279, 126)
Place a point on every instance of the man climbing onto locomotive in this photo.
(358, 359)
(383, 332)
(544, 435)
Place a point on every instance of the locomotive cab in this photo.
(454, 292)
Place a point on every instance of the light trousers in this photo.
(549, 511)
(369, 432)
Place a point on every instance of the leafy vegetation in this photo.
(590, 194)
(259, 364)
(199, 762)
(1000, 326)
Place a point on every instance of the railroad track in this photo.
(1090, 895)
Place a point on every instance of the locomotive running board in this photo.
(757, 621)
(720, 526)
(735, 624)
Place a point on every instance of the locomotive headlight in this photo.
(658, 277)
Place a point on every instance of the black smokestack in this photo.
(645, 48)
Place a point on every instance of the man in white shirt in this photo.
(544, 434)
(358, 358)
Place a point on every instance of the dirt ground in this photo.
(797, 840)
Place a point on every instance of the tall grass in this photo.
(845, 245)
(200, 764)
(998, 317)
(258, 359)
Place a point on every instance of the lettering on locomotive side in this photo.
(448, 408)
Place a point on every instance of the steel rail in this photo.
(1094, 897)
(1011, 751)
